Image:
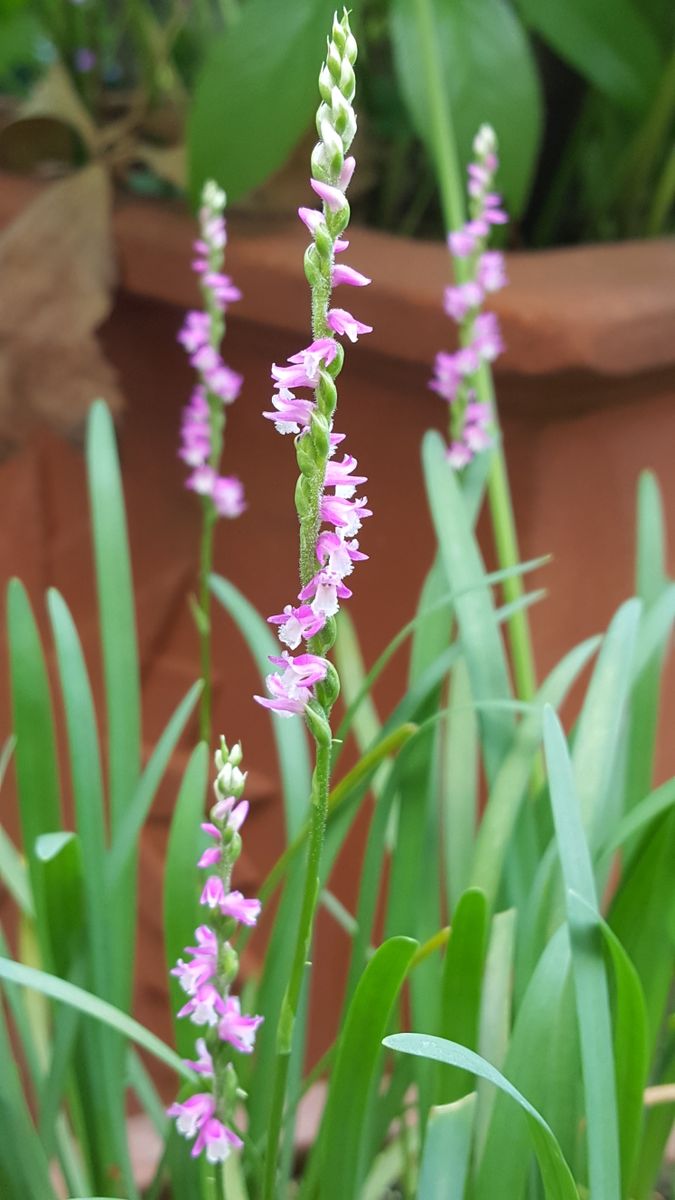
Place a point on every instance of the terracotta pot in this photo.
(586, 392)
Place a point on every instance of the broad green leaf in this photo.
(35, 753)
(352, 672)
(478, 626)
(290, 737)
(271, 56)
(355, 1071)
(92, 1006)
(588, 969)
(181, 881)
(556, 1175)
(447, 1147)
(643, 814)
(117, 623)
(609, 42)
(464, 63)
(461, 988)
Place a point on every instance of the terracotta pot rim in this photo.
(608, 309)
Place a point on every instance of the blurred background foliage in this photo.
(168, 92)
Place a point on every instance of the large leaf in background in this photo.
(556, 1175)
(609, 42)
(487, 72)
(462, 986)
(256, 93)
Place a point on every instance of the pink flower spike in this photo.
(344, 513)
(210, 857)
(201, 481)
(193, 975)
(487, 338)
(205, 1007)
(216, 1140)
(238, 816)
(458, 455)
(461, 242)
(228, 496)
(340, 244)
(312, 218)
(235, 905)
(213, 892)
(192, 1113)
(236, 1029)
(332, 197)
(342, 274)
(337, 554)
(292, 413)
(195, 331)
(341, 321)
(339, 476)
(491, 271)
(212, 831)
(207, 943)
(347, 171)
(326, 588)
(203, 1065)
(461, 299)
(297, 624)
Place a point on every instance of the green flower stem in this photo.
(289, 1008)
(499, 494)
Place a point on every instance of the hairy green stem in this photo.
(289, 1008)
(499, 494)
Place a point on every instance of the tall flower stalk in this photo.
(203, 423)
(207, 1117)
(499, 494)
(329, 514)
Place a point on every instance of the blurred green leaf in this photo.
(64, 992)
(487, 72)
(445, 1162)
(35, 753)
(255, 94)
(476, 618)
(350, 1094)
(556, 1175)
(609, 42)
(461, 988)
(117, 624)
(590, 980)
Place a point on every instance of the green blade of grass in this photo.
(508, 792)
(85, 1002)
(459, 802)
(461, 988)
(445, 1162)
(542, 1061)
(556, 1175)
(344, 1126)
(117, 624)
(35, 754)
(590, 980)
(478, 629)
(598, 733)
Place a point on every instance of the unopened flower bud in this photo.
(485, 141)
(231, 781)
